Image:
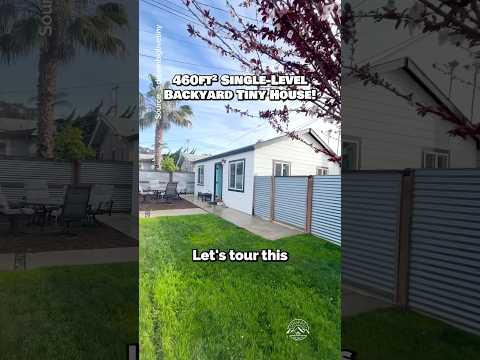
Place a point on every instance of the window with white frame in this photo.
(281, 168)
(236, 175)
(436, 159)
(322, 171)
(200, 174)
(350, 154)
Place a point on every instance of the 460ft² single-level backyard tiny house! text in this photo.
(229, 176)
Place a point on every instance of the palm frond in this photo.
(20, 40)
(95, 34)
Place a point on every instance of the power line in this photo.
(177, 39)
(174, 13)
(191, 64)
(226, 11)
(70, 87)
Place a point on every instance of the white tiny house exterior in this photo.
(382, 131)
(230, 176)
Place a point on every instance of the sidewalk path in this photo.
(254, 224)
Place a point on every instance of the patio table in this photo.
(43, 210)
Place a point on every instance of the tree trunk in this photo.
(50, 52)
(158, 145)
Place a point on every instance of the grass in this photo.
(396, 335)
(75, 312)
(195, 310)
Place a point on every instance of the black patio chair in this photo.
(100, 201)
(171, 192)
(75, 207)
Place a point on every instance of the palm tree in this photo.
(23, 29)
(154, 110)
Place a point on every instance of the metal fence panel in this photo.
(262, 198)
(119, 174)
(370, 212)
(327, 207)
(20, 169)
(445, 246)
(185, 180)
(291, 200)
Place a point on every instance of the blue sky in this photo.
(213, 129)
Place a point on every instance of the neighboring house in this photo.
(17, 137)
(382, 131)
(229, 176)
(146, 162)
(18, 129)
(115, 138)
(188, 164)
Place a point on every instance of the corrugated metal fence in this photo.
(59, 174)
(370, 212)
(414, 236)
(263, 197)
(326, 208)
(185, 180)
(290, 198)
(310, 203)
(445, 246)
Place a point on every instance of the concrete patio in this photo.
(266, 229)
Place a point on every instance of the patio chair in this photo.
(13, 214)
(75, 207)
(171, 191)
(37, 197)
(100, 201)
(145, 190)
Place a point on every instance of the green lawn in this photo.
(192, 310)
(77, 312)
(396, 335)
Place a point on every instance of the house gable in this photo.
(390, 132)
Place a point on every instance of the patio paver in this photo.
(81, 257)
(125, 223)
(254, 224)
(174, 212)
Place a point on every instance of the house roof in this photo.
(417, 74)
(14, 124)
(260, 144)
(124, 127)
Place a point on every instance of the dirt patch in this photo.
(51, 239)
(153, 205)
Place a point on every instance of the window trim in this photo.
(289, 163)
(203, 175)
(230, 169)
(435, 152)
(358, 141)
(324, 168)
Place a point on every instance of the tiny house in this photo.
(229, 176)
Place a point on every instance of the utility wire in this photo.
(191, 64)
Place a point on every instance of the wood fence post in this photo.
(76, 172)
(308, 220)
(272, 200)
(403, 244)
